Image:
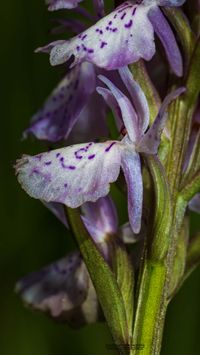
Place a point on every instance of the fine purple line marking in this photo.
(110, 146)
(48, 163)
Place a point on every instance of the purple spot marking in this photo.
(35, 171)
(48, 163)
(110, 146)
(90, 50)
(134, 11)
(39, 157)
(91, 156)
(57, 155)
(129, 24)
(84, 37)
(65, 185)
(103, 44)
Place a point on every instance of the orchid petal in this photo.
(102, 214)
(58, 210)
(168, 40)
(194, 204)
(91, 122)
(128, 113)
(71, 175)
(112, 103)
(170, 2)
(47, 49)
(63, 290)
(62, 4)
(150, 142)
(131, 167)
(63, 107)
(121, 38)
(138, 97)
(74, 25)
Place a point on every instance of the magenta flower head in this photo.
(81, 173)
(123, 37)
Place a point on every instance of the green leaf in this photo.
(179, 261)
(193, 255)
(191, 188)
(159, 243)
(104, 280)
(123, 269)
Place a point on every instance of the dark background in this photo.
(30, 236)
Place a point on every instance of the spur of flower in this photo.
(79, 173)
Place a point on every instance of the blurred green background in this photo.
(30, 236)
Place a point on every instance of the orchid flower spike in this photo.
(84, 172)
(123, 37)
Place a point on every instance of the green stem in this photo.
(152, 300)
(151, 309)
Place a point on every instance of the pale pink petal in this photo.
(71, 175)
(121, 38)
(131, 166)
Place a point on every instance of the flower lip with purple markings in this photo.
(74, 177)
(123, 37)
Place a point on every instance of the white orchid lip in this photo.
(123, 37)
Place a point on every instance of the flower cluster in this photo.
(98, 80)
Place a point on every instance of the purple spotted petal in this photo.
(62, 4)
(131, 166)
(63, 290)
(194, 204)
(121, 38)
(62, 108)
(128, 113)
(138, 97)
(168, 40)
(102, 214)
(71, 175)
(151, 140)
